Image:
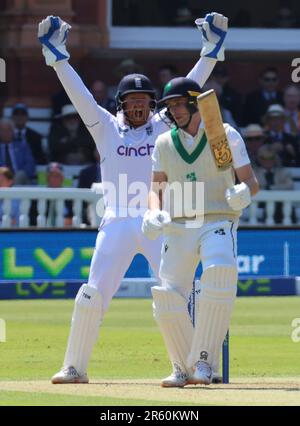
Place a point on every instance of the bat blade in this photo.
(209, 109)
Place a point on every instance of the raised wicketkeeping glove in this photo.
(238, 197)
(52, 34)
(214, 29)
(153, 223)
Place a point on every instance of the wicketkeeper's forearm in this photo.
(80, 96)
(202, 70)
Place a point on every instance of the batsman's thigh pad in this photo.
(214, 305)
(179, 257)
(218, 244)
(86, 320)
(171, 313)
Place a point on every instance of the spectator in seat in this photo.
(87, 177)
(268, 93)
(7, 181)
(184, 17)
(229, 99)
(125, 67)
(90, 174)
(99, 91)
(23, 133)
(166, 73)
(15, 155)
(254, 138)
(272, 176)
(285, 16)
(291, 103)
(69, 141)
(59, 100)
(226, 114)
(283, 143)
(55, 179)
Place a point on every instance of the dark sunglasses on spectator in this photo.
(267, 158)
(20, 112)
(270, 79)
(254, 138)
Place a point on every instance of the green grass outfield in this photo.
(131, 349)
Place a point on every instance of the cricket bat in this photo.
(209, 109)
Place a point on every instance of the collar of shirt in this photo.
(276, 135)
(269, 95)
(294, 114)
(190, 140)
(20, 132)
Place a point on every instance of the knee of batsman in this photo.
(219, 283)
(220, 256)
(168, 303)
(89, 298)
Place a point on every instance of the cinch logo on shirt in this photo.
(131, 151)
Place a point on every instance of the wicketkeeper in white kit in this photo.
(209, 234)
(125, 144)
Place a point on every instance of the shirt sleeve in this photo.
(202, 70)
(156, 160)
(237, 146)
(91, 113)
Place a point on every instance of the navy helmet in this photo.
(134, 83)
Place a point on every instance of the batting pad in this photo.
(213, 311)
(170, 312)
(86, 320)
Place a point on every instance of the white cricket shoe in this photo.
(202, 374)
(69, 375)
(178, 379)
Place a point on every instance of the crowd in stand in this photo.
(268, 119)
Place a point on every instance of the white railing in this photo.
(27, 194)
(289, 199)
(251, 217)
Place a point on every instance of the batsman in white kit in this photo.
(125, 144)
(198, 149)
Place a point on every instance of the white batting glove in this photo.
(154, 222)
(214, 29)
(52, 35)
(238, 197)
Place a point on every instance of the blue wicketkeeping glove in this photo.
(52, 34)
(214, 29)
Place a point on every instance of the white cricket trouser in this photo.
(183, 248)
(118, 241)
(214, 244)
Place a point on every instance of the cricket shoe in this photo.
(178, 379)
(202, 374)
(69, 375)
